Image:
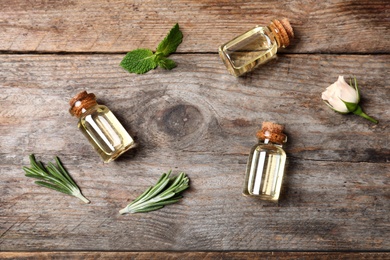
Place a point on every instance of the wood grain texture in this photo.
(198, 119)
(195, 255)
(332, 26)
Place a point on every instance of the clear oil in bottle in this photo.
(266, 164)
(103, 130)
(255, 47)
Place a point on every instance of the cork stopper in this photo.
(285, 32)
(273, 132)
(82, 100)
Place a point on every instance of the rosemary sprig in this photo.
(53, 177)
(159, 195)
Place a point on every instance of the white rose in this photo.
(344, 98)
(338, 92)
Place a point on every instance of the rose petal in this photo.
(347, 93)
(338, 105)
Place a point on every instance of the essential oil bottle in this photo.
(100, 126)
(255, 47)
(266, 163)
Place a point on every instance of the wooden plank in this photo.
(195, 255)
(287, 90)
(198, 119)
(332, 26)
(328, 206)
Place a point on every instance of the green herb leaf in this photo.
(54, 177)
(141, 61)
(167, 64)
(159, 195)
(171, 41)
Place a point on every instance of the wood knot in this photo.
(180, 120)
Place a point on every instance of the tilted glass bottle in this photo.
(103, 130)
(266, 163)
(255, 47)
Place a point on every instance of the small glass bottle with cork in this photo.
(266, 163)
(256, 46)
(103, 130)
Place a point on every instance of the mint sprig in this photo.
(140, 61)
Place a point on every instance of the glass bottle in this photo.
(266, 163)
(255, 47)
(100, 126)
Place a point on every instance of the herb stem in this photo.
(78, 194)
(124, 211)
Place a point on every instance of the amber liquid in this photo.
(264, 173)
(248, 50)
(109, 138)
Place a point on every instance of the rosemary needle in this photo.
(53, 177)
(163, 193)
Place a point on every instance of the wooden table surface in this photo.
(198, 119)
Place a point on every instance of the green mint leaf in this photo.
(171, 41)
(142, 60)
(165, 63)
(139, 61)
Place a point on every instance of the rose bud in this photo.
(344, 98)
